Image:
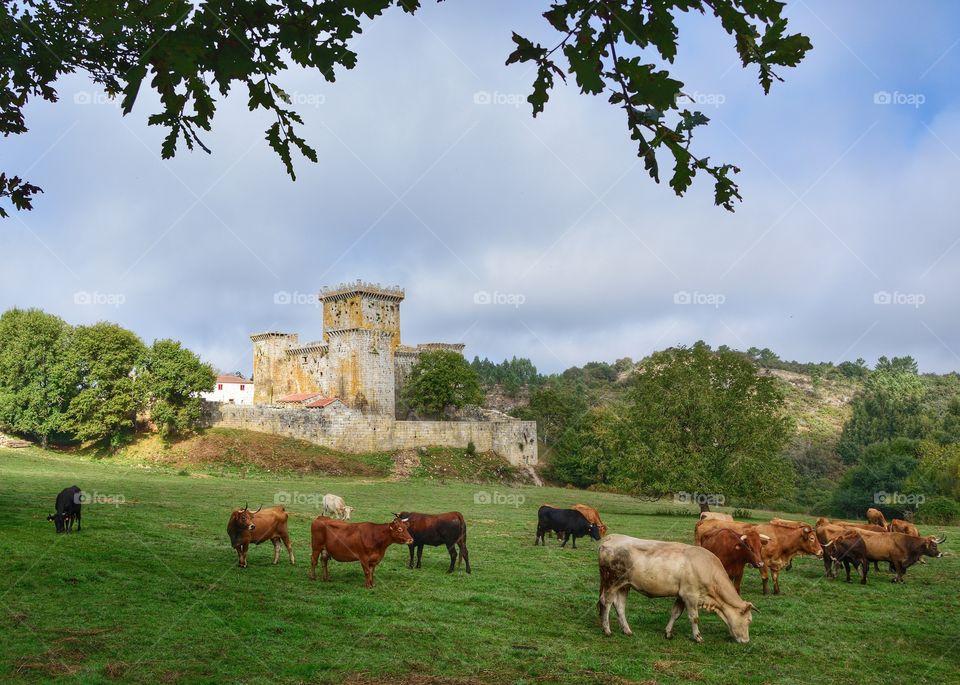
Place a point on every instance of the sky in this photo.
(540, 238)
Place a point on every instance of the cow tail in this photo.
(462, 540)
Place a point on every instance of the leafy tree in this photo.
(35, 386)
(441, 379)
(884, 468)
(890, 405)
(512, 375)
(937, 471)
(189, 53)
(556, 407)
(174, 377)
(108, 362)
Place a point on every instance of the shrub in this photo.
(941, 511)
(742, 514)
(471, 449)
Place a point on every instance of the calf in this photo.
(245, 527)
(849, 548)
(334, 506)
(363, 542)
(67, 509)
(447, 529)
(569, 522)
(669, 569)
(735, 551)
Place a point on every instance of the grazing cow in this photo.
(363, 542)
(901, 526)
(569, 522)
(715, 516)
(67, 509)
(875, 516)
(335, 507)
(786, 541)
(245, 527)
(849, 548)
(447, 529)
(669, 569)
(735, 551)
(593, 516)
(901, 550)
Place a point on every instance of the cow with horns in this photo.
(245, 527)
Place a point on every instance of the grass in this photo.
(150, 592)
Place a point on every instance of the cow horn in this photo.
(764, 537)
(258, 508)
(940, 541)
(246, 506)
(828, 544)
(743, 537)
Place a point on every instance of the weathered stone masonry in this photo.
(347, 430)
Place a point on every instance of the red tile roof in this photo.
(299, 397)
(322, 402)
(233, 379)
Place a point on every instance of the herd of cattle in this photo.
(706, 575)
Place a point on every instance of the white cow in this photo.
(333, 505)
(669, 569)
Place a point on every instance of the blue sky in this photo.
(846, 245)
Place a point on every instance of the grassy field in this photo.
(150, 592)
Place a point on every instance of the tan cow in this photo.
(715, 516)
(669, 569)
(875, 516)
(901, 526)
(245, 527)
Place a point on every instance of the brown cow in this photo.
(849, 548)
(447, 529)
(715, 516)
(901, 526)
(245, 527)
(592, 515)
(735, 551)
(363, 542)
(875, 516)
(901, 550)
(859, 526)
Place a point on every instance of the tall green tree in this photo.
(109, 365)
(35, 386)
(882, 472)
(174, 377)
(439, 380)
(191, 53)
(889, 406)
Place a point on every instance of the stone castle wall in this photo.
(346, 430)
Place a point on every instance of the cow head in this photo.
(346, 513)
(241, 521)
(594, 531)
(57, 521)
(399, 533)
(752, 542)
(738, 620)
(603, 529)
(930, 546)
(809, 543)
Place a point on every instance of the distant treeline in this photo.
(78, 384)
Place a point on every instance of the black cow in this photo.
(568, 522)
(850, 549)
(68, 509)
(447, 529)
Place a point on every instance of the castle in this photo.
(359, 361)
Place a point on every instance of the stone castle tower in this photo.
(360, 359)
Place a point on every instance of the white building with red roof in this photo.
(230, 390)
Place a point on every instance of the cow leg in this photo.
(846, 567)
(464, 554)
(863, 568)
(78, 526)
(314, 555)
(737, 579)
(877, 568)
(452, 549)
(539, 537)
(419, 555)
(674, 615)
(776, 580)
(289, 546)
(243, 555)
(276, 551)
(574, 541)
(368, 573)
(603, 607)
(324, 558)
(410, 547)
(566, 536)
(763, 577)
(694, 617)
(239, 549)
(827, 566)
(620, 604)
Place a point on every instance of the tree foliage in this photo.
(175, 376)
(882, 471)
(440, 380)
(513, 375)
(192, 53)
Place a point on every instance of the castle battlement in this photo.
(363, 288)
